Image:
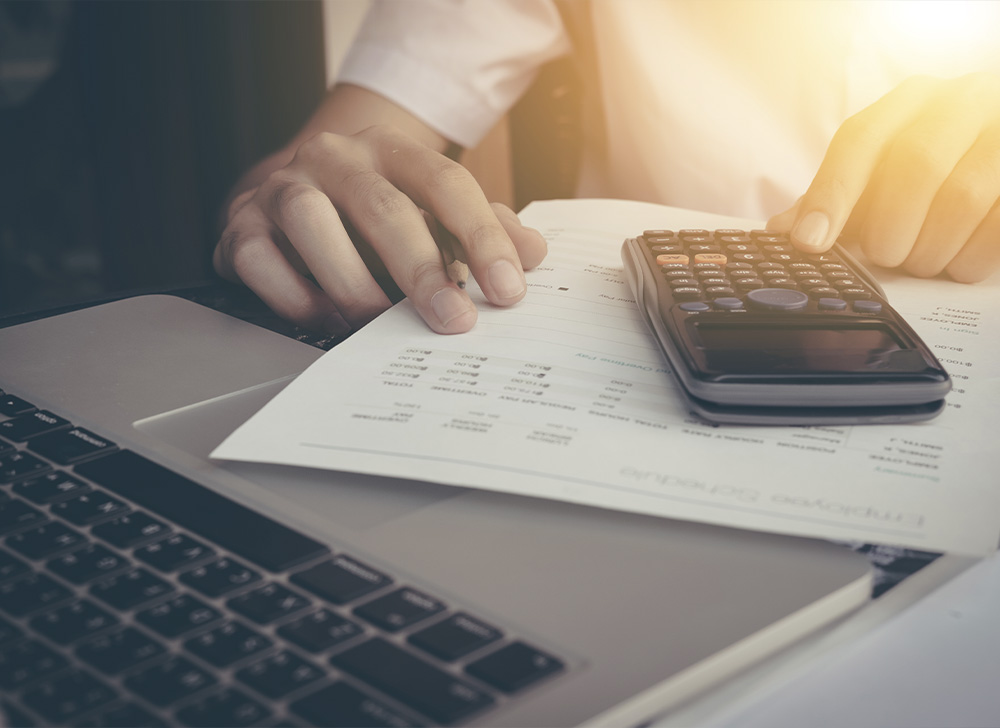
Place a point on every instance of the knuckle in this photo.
(292, 199)
(447, 177)
(245, 253)
(424, 273)
(376, 198)
(483, 236)
(323, 145)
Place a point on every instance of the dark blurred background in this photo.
(123, 124)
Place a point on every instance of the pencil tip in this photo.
(461, 284)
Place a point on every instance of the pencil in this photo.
(454, 258)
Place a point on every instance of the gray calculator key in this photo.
(778, 299)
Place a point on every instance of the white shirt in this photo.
(719, 105)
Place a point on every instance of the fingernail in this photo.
(448, 304)
(506, 280)
(812, 230)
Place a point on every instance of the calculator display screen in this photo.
(763, 348)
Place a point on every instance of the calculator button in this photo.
(783, 283)
(728, 304)
(778, 248)
(714, 257)
(660, 248)
(862, 306)
(833, 266)
(768, 236)
(708, 269)
(771, 266)
(694, 233)
(832, 304)
(683, 282)
(748, 284)
(842, 283)
(703, 248)
(717, 291)
(738, 266)
(688, 294)
(672, 258)
(747, 257)
(778, 299)
(824, 293)
(680, 272)
(694, 306)
(855, 294)
(714, 282)
(658, 234)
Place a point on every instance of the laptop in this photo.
(142, 583)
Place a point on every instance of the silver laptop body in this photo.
(623, 616)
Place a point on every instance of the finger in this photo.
(394, 226)
(450, 193)
(850, 161)
(915, 166)
(248, 254)
(312, 226)
(782, 222)
(530, 244)
(979, 258)
(960, 206)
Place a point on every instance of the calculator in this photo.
(757, 332)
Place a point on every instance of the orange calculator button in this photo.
(717, 258)
(667, 258)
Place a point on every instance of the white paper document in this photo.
(566, 396)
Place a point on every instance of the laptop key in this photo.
(178, 616)
(87, 508)
(269, 603)
(73, 622)
(70, 446)
(220, 577)
(514, 667)
(86, 564)
(343, 706)
(121, 716)
(131, 589)
(31, 424)
(167, 682)
(226, 708)
(245, 532)
(11, 566)
(130, 529)
(320, 630)
(17, 465)
(228, 643)
(279, 675)
(12, 406)
(120, 650)
(399, 609)
(24, 662)
(45, 540)
(30, 593)
(412, 681)
(174, 553)
(15, 514)
(455, 637)
(50, 487)
(341, 580)
(61, 698)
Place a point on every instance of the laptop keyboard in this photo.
(133, 596)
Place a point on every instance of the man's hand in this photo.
(290, 238)
(915, 178)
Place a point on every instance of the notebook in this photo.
(142, 583)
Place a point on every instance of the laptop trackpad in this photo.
(352, 500)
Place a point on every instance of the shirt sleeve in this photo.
(458, 65)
